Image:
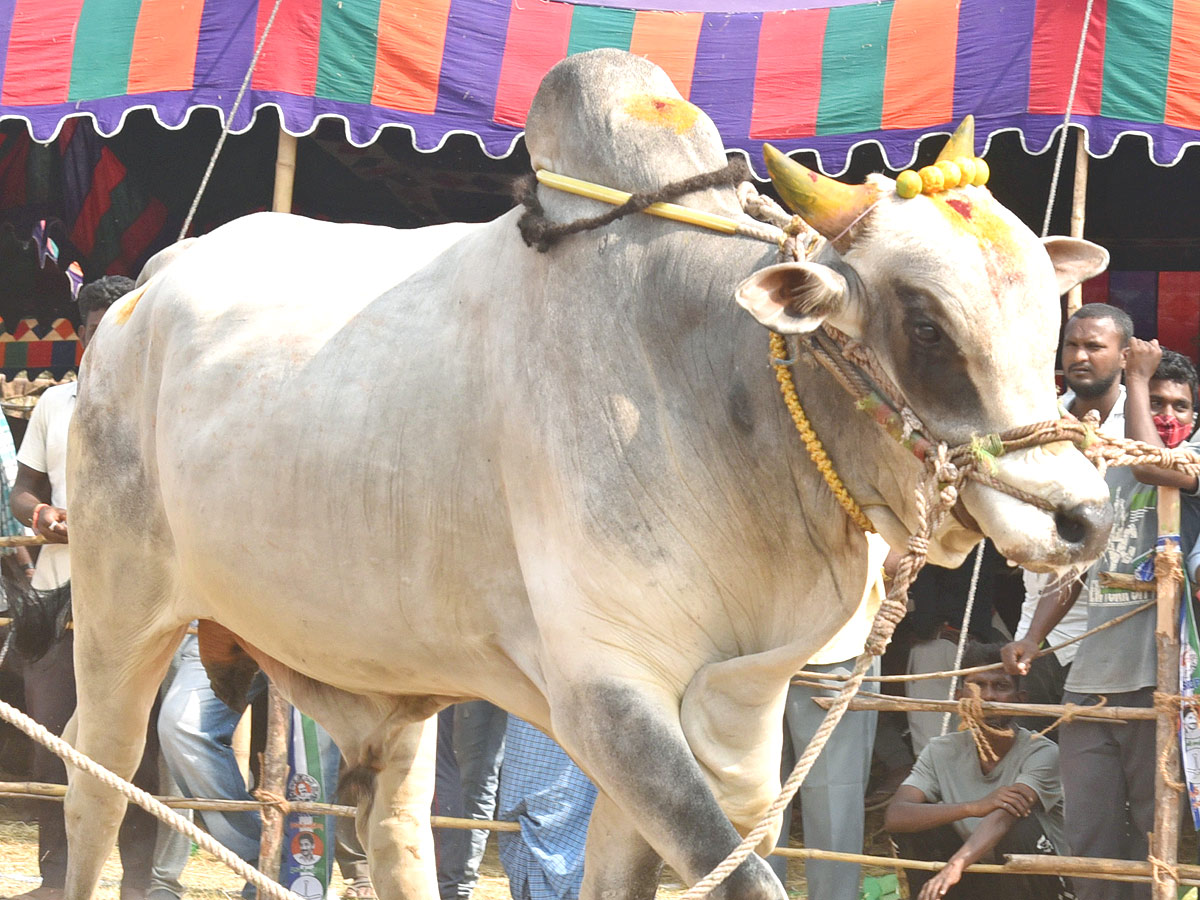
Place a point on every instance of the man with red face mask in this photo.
(1108, 768)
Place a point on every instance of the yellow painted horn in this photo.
(827, 205)
(961, 143)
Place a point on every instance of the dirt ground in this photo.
(208, 878)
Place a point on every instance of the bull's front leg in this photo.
(732, 717)
(627, 737)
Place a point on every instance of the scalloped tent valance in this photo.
(820, 75)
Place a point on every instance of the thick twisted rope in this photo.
(73, 757)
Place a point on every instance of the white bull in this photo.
(406, 468)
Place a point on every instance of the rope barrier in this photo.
(991, 667)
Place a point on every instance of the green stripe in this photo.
(593, 27)
(1137, 53)
(312, 752)
(852, 68)
(346, 67)
(16, 354)
(103, 46)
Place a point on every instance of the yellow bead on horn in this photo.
(827, 205)
(961, 143)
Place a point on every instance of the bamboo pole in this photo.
(1078, 204)
(285, 172)
(1109, 869)
(273, 764)
(886, 703)
(273, 781)
(1164, 842)
(36, 790)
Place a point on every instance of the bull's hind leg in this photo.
(120, 661)
(393, 822)
(628, 739)
(389, 746)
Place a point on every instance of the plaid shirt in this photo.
(552, 800)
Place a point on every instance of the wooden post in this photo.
(285, 172)
(1164, 842)
(274, 767)
(1078, 204)
(274, 781)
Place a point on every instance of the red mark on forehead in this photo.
(812, 176)
(660, 105)
(962, 207)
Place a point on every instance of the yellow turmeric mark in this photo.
(127, 307)
(973, 212)
(669, 112)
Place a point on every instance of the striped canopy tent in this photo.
(823, 75)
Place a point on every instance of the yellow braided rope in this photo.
(812, 443)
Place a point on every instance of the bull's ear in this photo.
(1075, 260)
(793, 298)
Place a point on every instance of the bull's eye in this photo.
(926, 333)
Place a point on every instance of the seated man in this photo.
(971, 793)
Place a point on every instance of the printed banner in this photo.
(307, 863)
(1189, 678)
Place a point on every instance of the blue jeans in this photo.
(479, 746)
(196, 732)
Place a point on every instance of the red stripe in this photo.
(1095, 290)
(138, 236)
(108, 174)
(289, 58)
(538, 36)
(40, 48)
(1056, 26)
(1178, 311)
(787, 82)
(12, 172)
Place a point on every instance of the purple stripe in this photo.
(7, 12)
(223, 54)
(994, 45)
(471, 58)
(723, 79)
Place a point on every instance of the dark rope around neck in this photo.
(538, 231)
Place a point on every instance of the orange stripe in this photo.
(918, 87)
(408, 60)
(1183, 78)
(164, 46)
(669, 39)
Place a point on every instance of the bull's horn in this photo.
(961, 143)
(827, 205)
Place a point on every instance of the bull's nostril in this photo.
(1085, 527)
(1071, 526)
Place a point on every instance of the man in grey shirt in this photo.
(970, 794)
